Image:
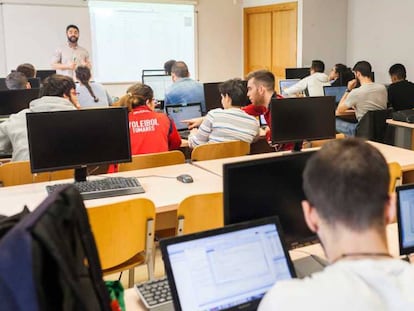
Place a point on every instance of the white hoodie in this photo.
(355, 285)
(314, 83)
(13, 131)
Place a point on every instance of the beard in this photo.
(73, 39)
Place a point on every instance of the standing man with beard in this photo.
(68, 56)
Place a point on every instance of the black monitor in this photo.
(212, 95)
(34, 82)
(297, 73)
(12, 101)
(43, 74)
(266, 187)
(297, 119)
(77, 138)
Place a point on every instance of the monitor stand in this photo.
(307, 265)
(81, 173)
(297, 147)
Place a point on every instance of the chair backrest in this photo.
(226, 149)
(395, 175)
(372, 125)
(153, 160)
(200, 212)
(321, 142)
(19, 173)
(120, 230)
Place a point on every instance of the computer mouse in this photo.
(185, 178)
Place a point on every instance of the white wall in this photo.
(324, 32)
(380, 32)
(220, 34)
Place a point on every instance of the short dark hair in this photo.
(16, 81)
(340, 68)
(180, 69)
(347, 182)
(57, 85)
(72, 26)
(399, 71)
(318, 66)
(27, 69)
(364, 68)
(264, 77)
(236, 90)
(168, 66)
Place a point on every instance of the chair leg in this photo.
(131, 277)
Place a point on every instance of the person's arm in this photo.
(193, 123)
(57, 62)
(174, 139)
(345, 103)
(298, 87)
(202, 135)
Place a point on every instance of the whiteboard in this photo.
(33, 32)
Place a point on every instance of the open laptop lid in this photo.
(226, 268)
(337, 91)
(183, 112)
(405, 218)
(284, 84)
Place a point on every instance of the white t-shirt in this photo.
(314, 83)
(369, 96)
(355, 285)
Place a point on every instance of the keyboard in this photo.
(155, 295)
(104, 188)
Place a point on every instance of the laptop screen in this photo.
(183, 112)
(337, 91)
(224, 268)
(405, 216)
(284, 84)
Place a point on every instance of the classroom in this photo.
(184, 193)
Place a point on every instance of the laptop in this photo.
(229, 268)
(284, 84)
(337, 91)
(183, 112)
(405, 218)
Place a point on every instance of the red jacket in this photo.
(256, 111)
(150, 132)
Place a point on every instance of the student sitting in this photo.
(313, 83)
(348, 206)
(230, 123)
(340, 75)
(90, 94)
(400, 91)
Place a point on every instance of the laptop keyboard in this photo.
(155, 295)
(103, 188)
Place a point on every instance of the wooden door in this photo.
(270, 38)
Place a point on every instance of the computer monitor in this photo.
(297, 119)
(43, 74)
(337, 91)
(158, 83)
(266, 187)
(77, 138)
(212, 95)
(297, 73)
(286, 83)
(12, 101)
(405, 218)
(34, 82)
(152, 72)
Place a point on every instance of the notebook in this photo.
(226, 268)
(284, 84)
(182, 112)
(405, 218)
(337, 91)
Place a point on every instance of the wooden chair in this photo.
(226, 149)
(395, 175)
(124, 235)
(200, 212)
(320, 143)
(19, 173)
(153, 160)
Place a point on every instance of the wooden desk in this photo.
(403, 136)
(166, 193)
(133, 303)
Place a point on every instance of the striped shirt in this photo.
(221, 125)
